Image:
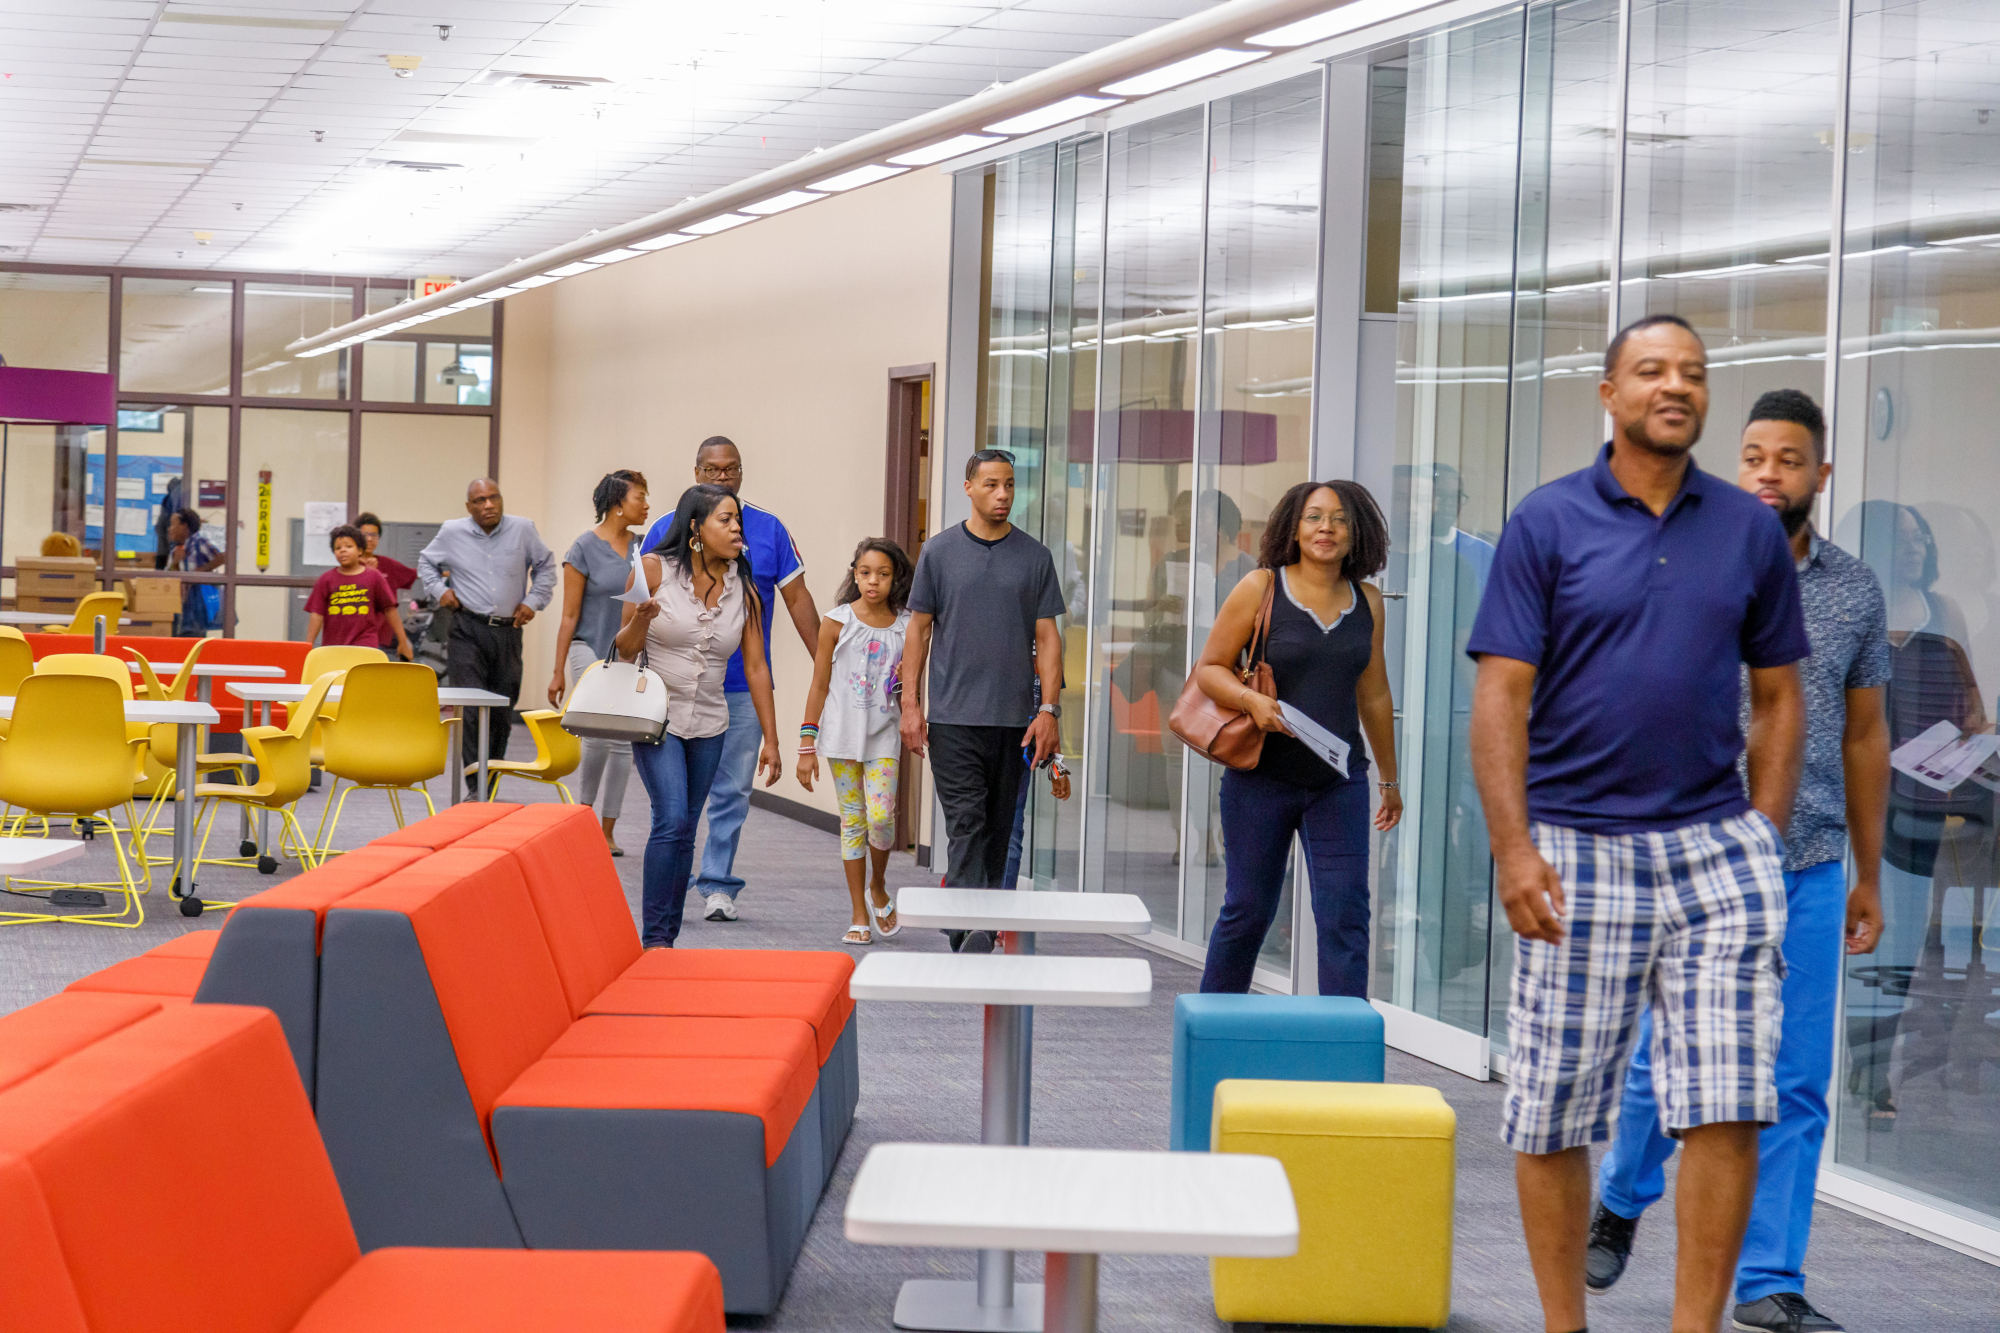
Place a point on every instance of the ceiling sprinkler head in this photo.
(319, 136)
(444, 32)
(404, 66)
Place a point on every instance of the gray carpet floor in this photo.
(1101, 1079)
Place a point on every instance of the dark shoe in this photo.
(1610, 1249)
(1782, 1312)
(977, 941)
(955, 938)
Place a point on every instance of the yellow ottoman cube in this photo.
(1372, 1171)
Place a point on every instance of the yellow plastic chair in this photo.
(110, 605)
(68, 754)
(165, 737)
(17, 659)
(151, 778)
(557, 754)
(335, 657)
(283, 775)
(387, 736)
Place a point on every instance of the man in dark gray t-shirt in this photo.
(988, 594)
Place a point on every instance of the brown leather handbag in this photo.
(1229, 737)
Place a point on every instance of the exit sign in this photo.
(432, 285)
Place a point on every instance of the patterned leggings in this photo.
(867, 792)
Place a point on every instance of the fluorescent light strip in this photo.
(1181, 71)
(1055, 113)
(1807, 259)
(618, 256)
(1348, 18)
(778, 203)
(709, 226)
(956, 146)
(571, 270)
(1879, 250)
(860, 176)
(1728, 271)
(657, 243)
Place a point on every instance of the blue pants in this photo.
(1259, 816)
(1013, 876)
(729, 798)
(1632, 1175)
(677, 774)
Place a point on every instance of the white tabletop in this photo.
(166, 670)
(449, 696)
(18, 855)
(33, 618)
(1004, 909)
(1004, 978)
(1073, 1201)
(145, 710)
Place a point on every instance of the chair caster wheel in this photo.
(247, 848)
(191, 906)
(267, 865)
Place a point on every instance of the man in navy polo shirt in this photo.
(1624, 602)
(778, 570)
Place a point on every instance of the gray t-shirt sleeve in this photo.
(923, 584)
(1049, 601)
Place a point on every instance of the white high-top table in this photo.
(24, 856)
(204, 686)
(1075, 1204)
(188, 718)
(458, 698)
(1007, 984)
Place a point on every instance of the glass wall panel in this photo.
(42, 480)
(1144, 455)
(415, 468)
(1919, 1099)
(1262, 280)
(1728, 186)
(458, 372)
(389, 371)
(306, 454)
(265, 612)
(275, 315)
(174, 335)
(1457, 258)
(55, 321)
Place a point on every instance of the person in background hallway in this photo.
(198, 555)
(778, 572)
(597, 567)
(495, 571)
(1624, 602)
(352, 603)
(399, 575)
(702, 608)
(1844, 786)
(1324, 644)
(853, 719)
(990, 593)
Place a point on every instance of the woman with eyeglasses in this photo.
(1324, 646)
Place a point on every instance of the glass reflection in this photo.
(275, 315)
(55, 321)
(174, 335)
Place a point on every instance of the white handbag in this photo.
(617, 701)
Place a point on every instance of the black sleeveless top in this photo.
(1317, 671)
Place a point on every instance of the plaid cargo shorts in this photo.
(1689, 922)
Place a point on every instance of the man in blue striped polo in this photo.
(1624, 603)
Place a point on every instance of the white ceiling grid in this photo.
(273, 127)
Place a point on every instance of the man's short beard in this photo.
(1796, 516)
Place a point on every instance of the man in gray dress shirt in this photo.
(495, 572)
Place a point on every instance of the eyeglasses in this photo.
(722, 473)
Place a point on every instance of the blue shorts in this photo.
(1688, 923)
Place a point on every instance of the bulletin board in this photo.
(143, 480)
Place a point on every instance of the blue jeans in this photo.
(729, 798)
(677, 774)
(1259, 816)
(1013, 876)
(1632, 1175)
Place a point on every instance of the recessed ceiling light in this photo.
(860, 176)
(778, 203)
(1055, 113)
(957, 146)
(1183, 71)
(709, 226)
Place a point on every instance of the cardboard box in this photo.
(48, 606)
(54, 576)
(146, 596)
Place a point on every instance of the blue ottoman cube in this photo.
(1304, 1038)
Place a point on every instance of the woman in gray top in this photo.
(595, 571)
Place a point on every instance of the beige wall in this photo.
(779, 335)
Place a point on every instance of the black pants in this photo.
(484, 657)
(978, 774)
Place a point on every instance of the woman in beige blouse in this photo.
(701, 597)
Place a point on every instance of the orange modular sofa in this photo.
(495, 1062)
(116, 1223)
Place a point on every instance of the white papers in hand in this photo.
(636, 594)
(1316, 738)
(1942, 760)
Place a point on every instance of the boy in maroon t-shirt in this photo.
(353, 602)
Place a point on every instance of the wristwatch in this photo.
(1053, 710)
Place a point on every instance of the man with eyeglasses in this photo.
(778, 570)
(983, 609)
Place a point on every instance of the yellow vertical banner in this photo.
(263, 521)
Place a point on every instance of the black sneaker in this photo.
(1610, 1249)
(977, 941)
(1782, 1312)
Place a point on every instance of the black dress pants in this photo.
(484, 657)
(978, 773)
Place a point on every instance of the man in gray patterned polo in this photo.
(1843, 793)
